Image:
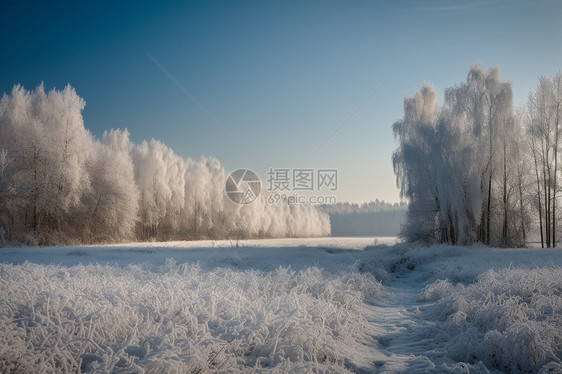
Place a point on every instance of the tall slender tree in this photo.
(544, 129)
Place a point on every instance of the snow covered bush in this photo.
(510, 319)
(180, 318)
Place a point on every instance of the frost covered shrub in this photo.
(180, 318)
(510, 319)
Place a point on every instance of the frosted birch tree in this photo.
(458, 165)
(544, 130)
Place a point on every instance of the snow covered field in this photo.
(291, 305)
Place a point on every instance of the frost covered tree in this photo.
(459, 164)
(6, 192)
(444, 199)
(45, 136)
(160, 176)
(58, 184)
(209, 213)
(112, 204)
(486, 102)
(544, 129)
(521, 180)
(204, 212)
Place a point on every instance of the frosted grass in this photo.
(510, 319)
(180, 318)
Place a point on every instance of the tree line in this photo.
(477, 169)
(374, 218)
(59, 185)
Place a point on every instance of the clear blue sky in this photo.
(281, 76)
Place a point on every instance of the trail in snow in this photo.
(405, 337)
(467, 309)
(397, 324)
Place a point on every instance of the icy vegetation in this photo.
(59, 185)
(180, 319)
(510, 319)
(281, 306)
(483, 309)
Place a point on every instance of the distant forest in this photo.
(375, 218)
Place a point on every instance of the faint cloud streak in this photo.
(199, 105)
(451, 6)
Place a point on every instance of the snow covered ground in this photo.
(291, 305)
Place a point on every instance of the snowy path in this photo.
(402, 344)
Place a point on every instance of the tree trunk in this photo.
(504, 233)
(554, 195)
(546, 196)
(539, 192)
(488, 209)
(521, 209)
(556, 132)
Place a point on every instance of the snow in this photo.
(299, 305)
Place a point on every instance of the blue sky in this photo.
(280, 76)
